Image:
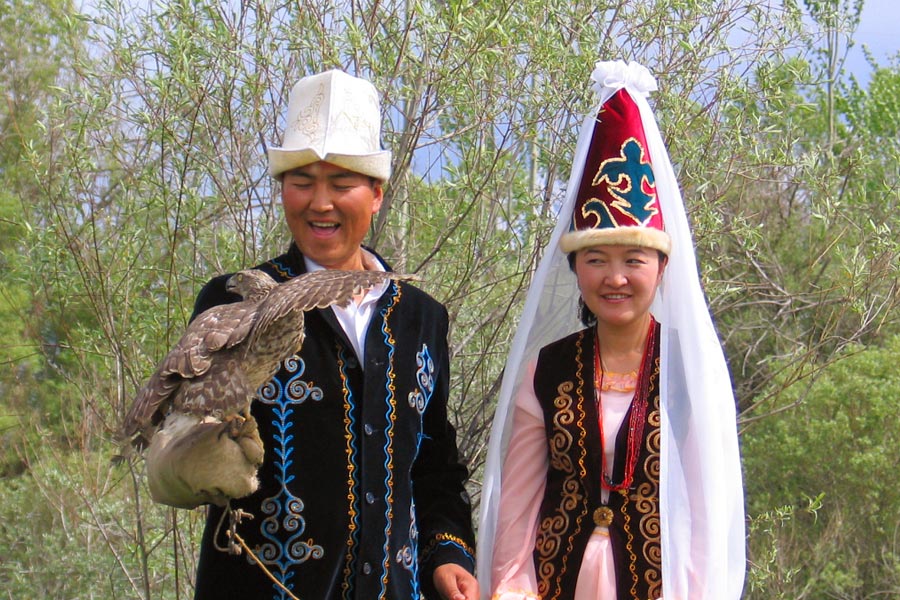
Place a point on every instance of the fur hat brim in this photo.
(644, 237)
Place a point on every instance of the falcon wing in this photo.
(219, 328)
(318, 289)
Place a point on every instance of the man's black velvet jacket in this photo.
(362, 491)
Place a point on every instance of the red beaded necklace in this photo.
(638, 413)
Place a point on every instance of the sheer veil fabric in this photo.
(701, 489)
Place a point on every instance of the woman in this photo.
(613, 470)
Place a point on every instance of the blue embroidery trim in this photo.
(282, 269)
(406, 555)
(448, 540)
(284, 509)
(352, 476)
(420, 398)
(390, 417)
(461, 547)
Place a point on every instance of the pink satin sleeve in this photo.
(522, 488)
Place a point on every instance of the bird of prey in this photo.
(230, 350)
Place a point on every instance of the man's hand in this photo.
(455, 583)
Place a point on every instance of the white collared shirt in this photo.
(354, 318)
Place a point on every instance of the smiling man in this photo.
(328, 210)
(361, 492)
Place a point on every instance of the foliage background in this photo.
(132, 169)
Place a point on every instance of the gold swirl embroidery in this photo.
(644, 497)
(629, 541)
(552, 528)
(652, 464)
(576, 480)
(643, 502)
(654, 581)
(549, 536)
(440, 538)
(648, 505)
(392, 404)
(351, 462)
(571, 495)
(562, 443)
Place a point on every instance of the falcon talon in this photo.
(234, 426)
(235, 517)
(238, 515)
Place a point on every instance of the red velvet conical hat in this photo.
(617, 201)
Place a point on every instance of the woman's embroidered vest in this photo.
(564, 386)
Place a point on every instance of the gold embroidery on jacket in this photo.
(391, 402)
(643, 505)
(629, 541)
(649, 505)
(551, 529)
(549, 538)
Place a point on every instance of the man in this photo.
(361, 492)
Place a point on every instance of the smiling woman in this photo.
(618, 284)
(613, 468)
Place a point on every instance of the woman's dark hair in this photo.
(587, 318)
(585, 315)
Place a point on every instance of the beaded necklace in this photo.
(636, 420)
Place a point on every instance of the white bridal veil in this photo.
(701, 491)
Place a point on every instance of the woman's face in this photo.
(618, 283)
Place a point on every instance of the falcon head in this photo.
(251, 284)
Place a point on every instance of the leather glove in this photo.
(192, 462)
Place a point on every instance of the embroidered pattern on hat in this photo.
(307, 123)
(633, 203)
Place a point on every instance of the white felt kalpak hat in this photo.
(335, 117)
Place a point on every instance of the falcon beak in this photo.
(231, 284)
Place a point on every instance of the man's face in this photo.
(329, 210)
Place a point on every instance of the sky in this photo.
(878, 29)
